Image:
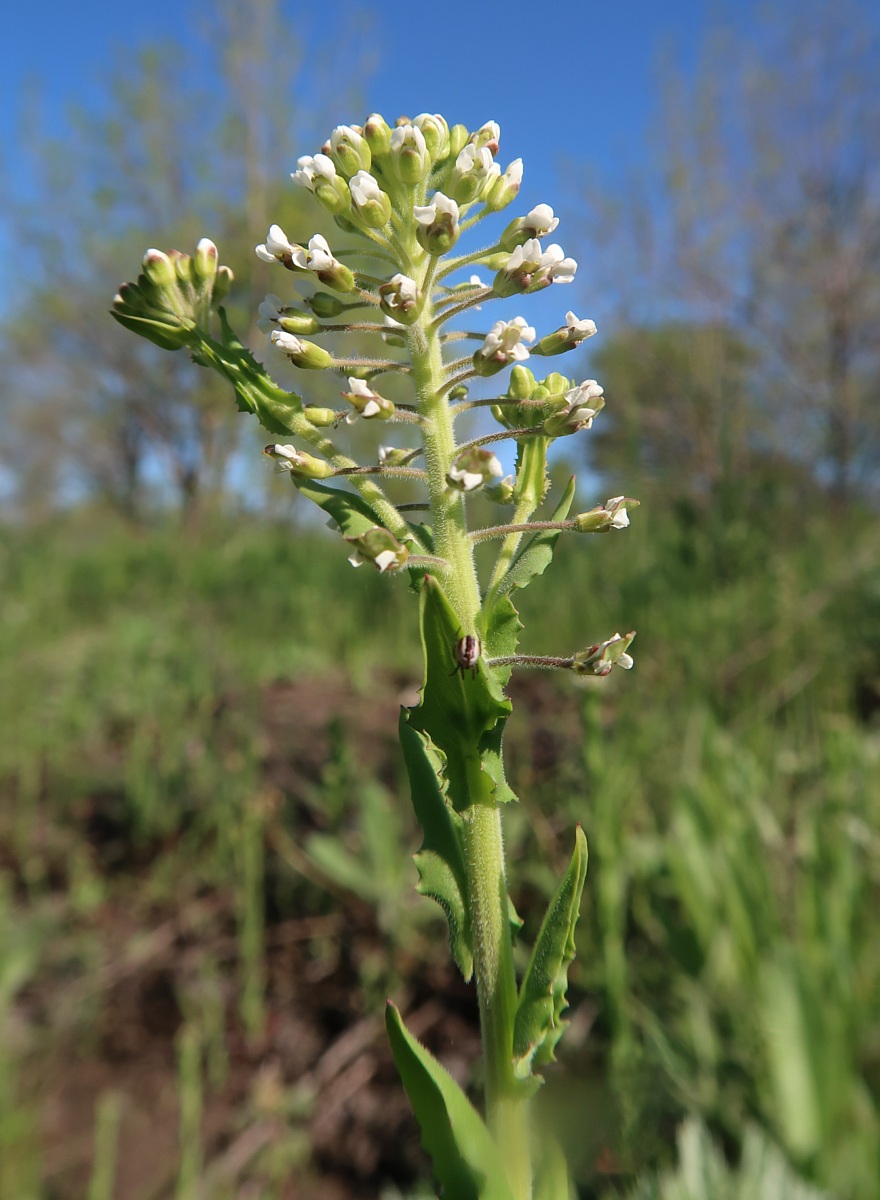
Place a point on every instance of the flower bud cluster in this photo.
(173, 295)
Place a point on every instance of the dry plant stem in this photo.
(483, 845)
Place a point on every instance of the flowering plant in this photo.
(402, 199)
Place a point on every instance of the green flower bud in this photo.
(458, 136)
(502, 491)
(222, 284)
(301, 353)
(349, 150)
(505, 189)
(371, 204)
(393, 456)
(435, 132)
(159, 269)
(325, 306)
(367, 402)
(322, 417)
(205, 260)
(378, 136)
(409, 154)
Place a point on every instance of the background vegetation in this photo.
(205, 888)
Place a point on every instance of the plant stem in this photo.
(483, 845)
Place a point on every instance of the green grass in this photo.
(729, 787)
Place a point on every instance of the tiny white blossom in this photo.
(620, 520)
(400, 292)
(555, 267)
(271, 311)
(408, 135)
(364, 188)
(312, 169)
(580, 330)
(385, 559)
(427, 214)
(276, 245)
(477, 162)
(514, 173)
(507, 337)
(287, 343)
(540, 221)
(317, 258)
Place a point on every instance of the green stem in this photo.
(483, 846)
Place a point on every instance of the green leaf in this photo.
(467, 1162)
(459, 709)
(350, 512)
(440, 861)
(535, 556)
(552, 1180)
(538, 1025)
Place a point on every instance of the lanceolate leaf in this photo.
(350, 512)
(460, 708)
(539, 1025)
(467, 1163)
(535, 556)
(440, 861)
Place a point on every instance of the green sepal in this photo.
(350, 512)
(467, 1163)
(536, 555)
(538, 1025)
(440, 860)
(459, 709)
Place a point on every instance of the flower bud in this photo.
(474, 172)
(205, 260)
(349, 151)
(298, 463)
(437, 229)
(379, 547)
(566, 337)
(222, 283)
(318, 174)
(368, 403)
(324, 305)
(409, 154)
(399, 299)
(301, 353)
(536, 224)
(273, 312)
(487, 135)
(159, 268)
(600, 658)
(501, 492)
(393, 456)
(458, 136)
(505, 189)
(370, 203)
(322, 417)
(611, 515)
(473, 468)
(435, 131)
(503, 345)
(325, 267)
(377, 135)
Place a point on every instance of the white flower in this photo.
(287, 456)
(579, 330)
(312, 169)
(427, 214)
(476, 162)
(620, 518)
(488, 136)
(506, 338)
(476, 281)
(387, 558)
(555, 267)
(364, 188)
(408, 136)
(540, 221)
(287, 343)
(317, 258)
(400, 292)
(271, 311)
(276, 246)
(472, 469)
(514, 173)
(366, 401)
(525, 259)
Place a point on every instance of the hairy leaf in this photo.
(350, 512)
(467, 1163)
(539, 1025)
(535, 556)
(440, 861)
